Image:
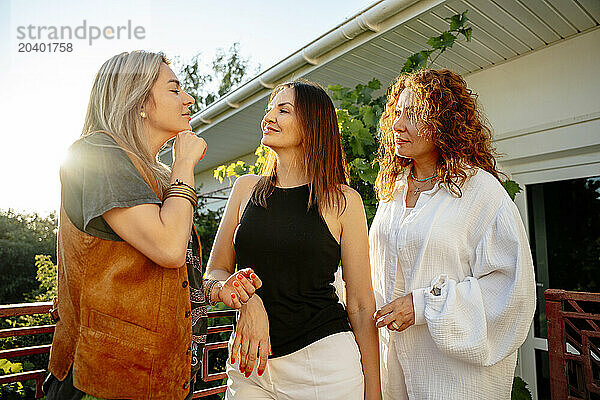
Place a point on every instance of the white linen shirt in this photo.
(474, 247)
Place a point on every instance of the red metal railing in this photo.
(573, 344)
(13, 310)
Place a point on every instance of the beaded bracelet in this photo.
(208, 291)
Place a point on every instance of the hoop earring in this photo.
(143, 114)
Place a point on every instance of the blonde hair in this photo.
(120, 89)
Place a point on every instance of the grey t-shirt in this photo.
(98, 176)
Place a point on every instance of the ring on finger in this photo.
(395, 326)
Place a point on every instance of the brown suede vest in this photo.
(125, 323)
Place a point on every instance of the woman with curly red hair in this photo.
(452, 269)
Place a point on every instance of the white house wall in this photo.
(545, 110)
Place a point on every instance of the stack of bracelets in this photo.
(208, 287)
(181, 189)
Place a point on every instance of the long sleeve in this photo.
(486, 317)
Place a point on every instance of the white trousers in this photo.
(394, 387)
(328, 369)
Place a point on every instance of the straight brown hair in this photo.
(323, 158)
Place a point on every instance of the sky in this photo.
(44, 95)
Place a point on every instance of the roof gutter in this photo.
(368, 19)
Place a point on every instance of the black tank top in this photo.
(296, 257)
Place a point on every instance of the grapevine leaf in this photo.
(512, 188)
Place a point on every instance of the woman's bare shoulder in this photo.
(245, 183)
(351, 195)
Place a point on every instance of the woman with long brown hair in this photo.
(452, 269)
(293, 226)
(131, 303)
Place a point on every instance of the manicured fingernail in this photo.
(241, 369)
(247, 374)
(253, 275)
(236, 284)
(260, 373)
(240, 277)
(270, 352)
(233, 360)
(233, 295)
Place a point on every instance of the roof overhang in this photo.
(376, 42)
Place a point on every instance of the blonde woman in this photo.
(131, 299)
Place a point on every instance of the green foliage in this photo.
(22, 237)
(14, 390)
(520, 390)
(240, 168)
(512, 188)
(358, 115)
(46, 275)
(440, 43)
(206, 83)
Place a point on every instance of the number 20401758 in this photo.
(50, 47)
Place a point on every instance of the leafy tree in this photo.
(22, 237)
(228, 70)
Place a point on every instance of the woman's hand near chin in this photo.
(188, 148)
(252, 337)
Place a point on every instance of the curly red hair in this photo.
(450, 116)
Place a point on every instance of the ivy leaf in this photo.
(442, 42)
(352, 110)
(364, 95)
(520, 390)
(457, 21)
(364, 169)
(466, 33)
(338, 92)
(416, 61)
(368, 116)
(512, 188)
(359, 137)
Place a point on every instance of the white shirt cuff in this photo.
(418, 297)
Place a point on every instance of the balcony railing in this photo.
(14, 310)
(573, 344)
